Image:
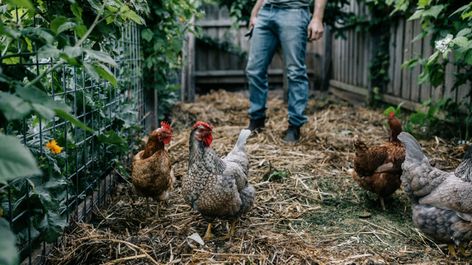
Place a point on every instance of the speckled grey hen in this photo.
(441, 201)
(217, 187)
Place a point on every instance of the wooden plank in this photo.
(326, 59)
(359, 91)
(407, 53)
(392, 58)
(367, 58)
(218, 23)
(362, 62)
(238, 72)
(426, 88)
(416, 52)
(344, 63)
(353, 89)
(400, 31)
(333, 55)
(449, 80)
(463, 92)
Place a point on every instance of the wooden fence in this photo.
(219, 56)
(351, 58)
(341, 63)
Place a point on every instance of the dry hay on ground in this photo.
(310, 211)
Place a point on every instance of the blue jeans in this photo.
(288, 27)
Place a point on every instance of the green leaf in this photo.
(8, 251)
(39, 32)
(389, 110)
(21, 3)
(468, 58)
(130, 14)
(424, 3)
(433, 11)
(105, 73)
(66, 26)
(56, 23)
(70, 118)
(111, 137)
(147, 34)
(43, 111)
(80, 30)
(410, 63)
(48, 51)
(462, 42)
(418, 118)
(52, 226)
(101, 56)
(72, 51)
(32, 94)
(76, 10)
(15, 159)
(91, 71)
(464, 32)
(13, 107)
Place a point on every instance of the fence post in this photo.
(188, 67)
(326, 65)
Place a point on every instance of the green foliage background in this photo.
(79, 38)
(162, 41)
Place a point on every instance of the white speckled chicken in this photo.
(441, 201)
(151, 174)
(217, 187)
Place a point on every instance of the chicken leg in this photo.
(382, 203)
(452, 250)
(231, 231)
(208, 235)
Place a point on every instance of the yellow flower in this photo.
(52, 145)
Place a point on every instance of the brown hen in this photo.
(378, 168)
(152, 175)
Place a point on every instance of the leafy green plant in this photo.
(449, 24)
(8, 250)
(42, 45)
(168, 22)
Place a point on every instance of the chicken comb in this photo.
(391, 114)
(202, 123)
(165, 125)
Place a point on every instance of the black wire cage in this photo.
(81, 177)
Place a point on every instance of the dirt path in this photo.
(308, 209)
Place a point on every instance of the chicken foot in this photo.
(382, 203)
(452, 250)
(231, 230)
(208, 235)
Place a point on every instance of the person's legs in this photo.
(292, 28)
(263, 45)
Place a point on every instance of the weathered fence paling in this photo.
(220, 56)
(353, 55)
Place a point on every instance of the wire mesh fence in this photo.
(80, 176)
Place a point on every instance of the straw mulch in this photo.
(308, 209)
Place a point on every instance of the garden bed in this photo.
(310, 210)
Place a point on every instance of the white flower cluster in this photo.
(443, 44)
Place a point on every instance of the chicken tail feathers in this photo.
(412, 147)
(243, 135)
